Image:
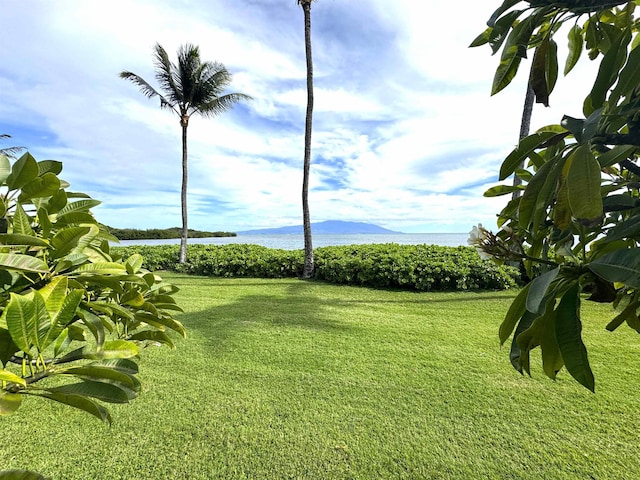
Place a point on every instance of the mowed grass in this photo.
(284, 379)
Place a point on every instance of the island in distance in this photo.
(330, 227)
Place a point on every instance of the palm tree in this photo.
(10, 152)
(191, 86)
(525, 127)
(307, 271)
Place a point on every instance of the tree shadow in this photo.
(219, 323)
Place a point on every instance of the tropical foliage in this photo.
(74, 316)
(576, 226)
(189, 87)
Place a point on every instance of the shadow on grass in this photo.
(299, 308)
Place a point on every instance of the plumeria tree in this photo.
(74, 316)
(576, 226)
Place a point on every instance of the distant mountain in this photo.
(328, 227)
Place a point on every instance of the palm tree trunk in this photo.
(184, 122)
(525, 127)
(307, 271)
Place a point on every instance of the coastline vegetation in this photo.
(411, 267)
(162, 233)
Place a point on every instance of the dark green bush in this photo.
(415, 267)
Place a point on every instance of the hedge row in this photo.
(416, 267)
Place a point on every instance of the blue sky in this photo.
(405, 135)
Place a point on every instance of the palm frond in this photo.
(147, 90)
(188, 66)
(189, 86)
(165, 75)
(221, 104)
(10, 152)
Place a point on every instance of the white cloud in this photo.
(404, 127)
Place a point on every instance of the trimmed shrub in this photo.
(415, 267)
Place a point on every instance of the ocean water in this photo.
(295, 242)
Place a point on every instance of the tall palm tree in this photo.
(191, 86)
(307, 271)
(525, 127)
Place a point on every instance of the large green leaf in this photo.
(101, 373)
(538, 291)
(628, 79)
(591, 125)
(527, 341)
(133, 298)
(23, 171)
(78, 206)
(7, 376)
(20, 316)
(42, 319)
(75, 218)
(106, 392)
(9, 402)
(115, 349)
(569, 338)
(40, 187)
(562, 209)
(134, 263)
(522, 151)
(54, 293)
(162, 321)
(535, 195)
(49, 166)
(609, 68)
(551, 66)
(482, 38)
(8, 348)
(57, 202)
(575, 48)
(515, 49)
(499, 33)
(552, 360)
(62, 317)
(66, 240)
(78, 401)
(14, 239)
(622, 266)
(21, 222)
(629, 228)
(102, 268)
(616, 155)
(583, 186)
(506, 5)
(93, 323)
(5, 168)
(44, 221)
(514, 314)
(544, 72)
(153, 336)
(629, 312)
(515, 355)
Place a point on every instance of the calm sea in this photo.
(295, 242)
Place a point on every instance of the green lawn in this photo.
(291, 379)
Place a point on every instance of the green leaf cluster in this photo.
(576, 226)
(69, 308)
